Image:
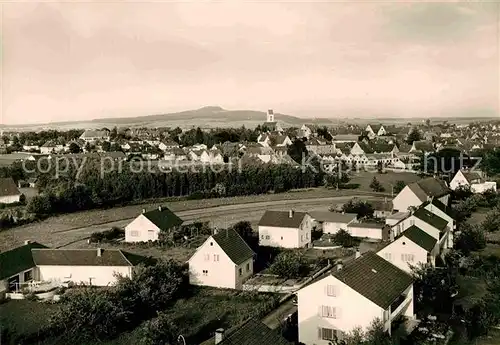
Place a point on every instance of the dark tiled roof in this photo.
(430, 218)
(17, 260)
(333, 217)
(435, 202)
(471, 176)
(79, 257)
(164, 219)
(375, 278)
(423, 145)
(253, 332)
(379, 205)
(282, 219)
(233, 245)
(8, 187)
(429, 187)
(420, 237)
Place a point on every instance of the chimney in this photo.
(99, 251)
(159, 208)
(27, 242)
(290, 214)
(340, 265)
(219, 335)
(358, 254)
(143, 210)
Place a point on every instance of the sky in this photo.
(64, 61)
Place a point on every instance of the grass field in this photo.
(365, 178)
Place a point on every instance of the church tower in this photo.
(270, 115)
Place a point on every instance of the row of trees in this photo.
(68, 194)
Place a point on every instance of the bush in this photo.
(289, 264)
(471, 238)
(158, 331)
(492, 221)
(344, 239)
(108, 235)
(376, 185)
(361, 208)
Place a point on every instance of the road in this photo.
(220, 216)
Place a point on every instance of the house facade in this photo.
(9, 193)
(148, 225)
(473, 181)
(286, 229)
(224, 260)
(332, 222)
(414, 247)
(415, 194)
(366, 289)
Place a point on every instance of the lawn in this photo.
(471, 290)
(24, 317)
(364, 179)
(493, 338)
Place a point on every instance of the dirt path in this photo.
(62, 235)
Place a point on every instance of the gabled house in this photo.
(375, 130)
(382, 208)
(224, 260)
(51, 147)
(287, 229)
(305, 131)
(472, 180)
(167, 145)
(415, 194)
(332, 222)
(366, 289)
(9, 193)
(441, 210)
(430, 223)
(265, 154)
(148, 225)
(369, 230)
(34, 262)
(414, 247)
(422, 146)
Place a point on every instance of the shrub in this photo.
(344, 239)
(158, 331)
(290, 264)
(376, 185)
(471, 238)
(492, 221)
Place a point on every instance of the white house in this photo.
(472, 180)
(287, 229)
(375, 130)
(9, 193)
(414, 247)
(271, 124)
(372, 231)
(95, 135)
(441, 210)
(148, 225)
(224, 260)
(366, 289)
(415, 194)
(331, 222)
(35, 262)
(168, 145)
(430, 223)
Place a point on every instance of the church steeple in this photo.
(270, 115)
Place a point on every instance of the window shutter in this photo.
(319, 333)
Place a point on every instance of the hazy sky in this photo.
(73, 61)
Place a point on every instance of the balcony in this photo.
(40, 289)
(400, 305)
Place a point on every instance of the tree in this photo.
(399, 185)
(361, 208)
(374, 335)
(159, 331)
(462, 192)
(491, 162)
(297, 150)
(336, 179)
(289, 264)
(376, 185)
(244, 229)
(344, 239)
(491, 223)
(74, 148)
(471, 238)
(434, 288)
(414, 135)
(106, 146)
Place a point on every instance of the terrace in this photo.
(41, 289)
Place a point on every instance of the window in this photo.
(331, 291)
(407, 257)
(329, 312)
(261, 237)
(329, 334)
(387, 256)
(267, 237)
(281, 237)
(240, 271)
(205, 272)
(134, 233)
(248, 267)
(412, 221)
(216, 257)
(28, 275)
(206, 257)
(301, 238)
(211, 243)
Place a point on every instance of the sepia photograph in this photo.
(313, 172)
